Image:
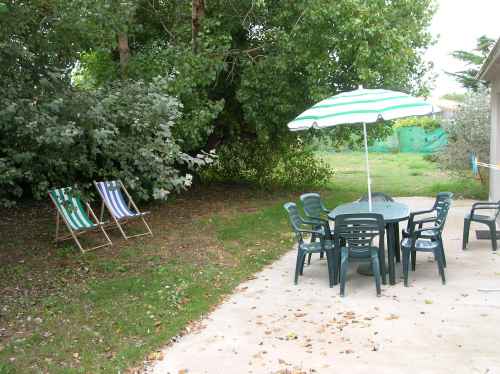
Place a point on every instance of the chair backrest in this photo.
(359, 230)
(498, 210)
(311, 202)
(70, 206)
(293, 216)
(442, 196)
(442, 206)
(111, 193)
(377, 196)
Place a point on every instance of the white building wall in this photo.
(495, 140)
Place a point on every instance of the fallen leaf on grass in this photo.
(154, 356)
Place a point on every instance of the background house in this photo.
(490, 72)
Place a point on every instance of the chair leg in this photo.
(406, 263)
(397, 242)
(329, 263)
(413, 260)
(344, 264)
(300, 256)
(439, 257)
(493, 234)
(390, 253)
(383, 270)
(301, 272)
(376, 270)
(442, 250)
(336, 266)
(465, 236)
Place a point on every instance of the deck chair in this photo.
(71, 210)
(120, 211)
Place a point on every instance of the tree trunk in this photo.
(124, 51)
(197, 15)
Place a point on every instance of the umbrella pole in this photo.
(367, 169)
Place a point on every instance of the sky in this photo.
(457, 25)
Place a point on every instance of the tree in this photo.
(198, 12)
(241, 69)
(468, 131)
(473, 61)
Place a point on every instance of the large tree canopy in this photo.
(241, 69)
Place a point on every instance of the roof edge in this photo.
(495, 52)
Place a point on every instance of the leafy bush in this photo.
(120, 131)
(286, 166)
(427, 123)
(468, 131)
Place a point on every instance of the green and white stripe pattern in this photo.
(361, 106)
(71, 207)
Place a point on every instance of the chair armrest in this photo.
(420, 222)
(419, 212)
(311, 231)
(484, 205)
(314, 221)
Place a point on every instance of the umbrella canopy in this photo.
(362, 106)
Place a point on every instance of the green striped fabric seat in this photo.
(71, 207)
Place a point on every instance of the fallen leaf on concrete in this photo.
(428, 301)
(391, 317)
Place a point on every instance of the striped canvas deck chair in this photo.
(72, 211)
(120, 210)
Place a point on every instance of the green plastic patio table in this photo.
(393, 213)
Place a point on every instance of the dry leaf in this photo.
(391, 317)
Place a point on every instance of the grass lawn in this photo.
(107, 311)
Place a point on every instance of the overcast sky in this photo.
(459, 23)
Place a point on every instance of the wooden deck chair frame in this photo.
(120, 221)
(75, 233)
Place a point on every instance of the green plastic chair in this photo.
(420, 241)
(354, 235)
(301, 226)
(443, 199)
(489, 221)
(315, 210)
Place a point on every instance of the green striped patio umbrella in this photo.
(362, 106)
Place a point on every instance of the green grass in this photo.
(402, 174)
(104, 311)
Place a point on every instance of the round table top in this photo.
(391, 211)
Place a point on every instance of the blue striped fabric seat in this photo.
(112, 194)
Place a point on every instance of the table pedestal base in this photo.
(365, 269)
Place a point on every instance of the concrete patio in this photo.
(271, 326)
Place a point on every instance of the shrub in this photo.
(120, 131)
(427, 123)
(468, 131)
(289, 165)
